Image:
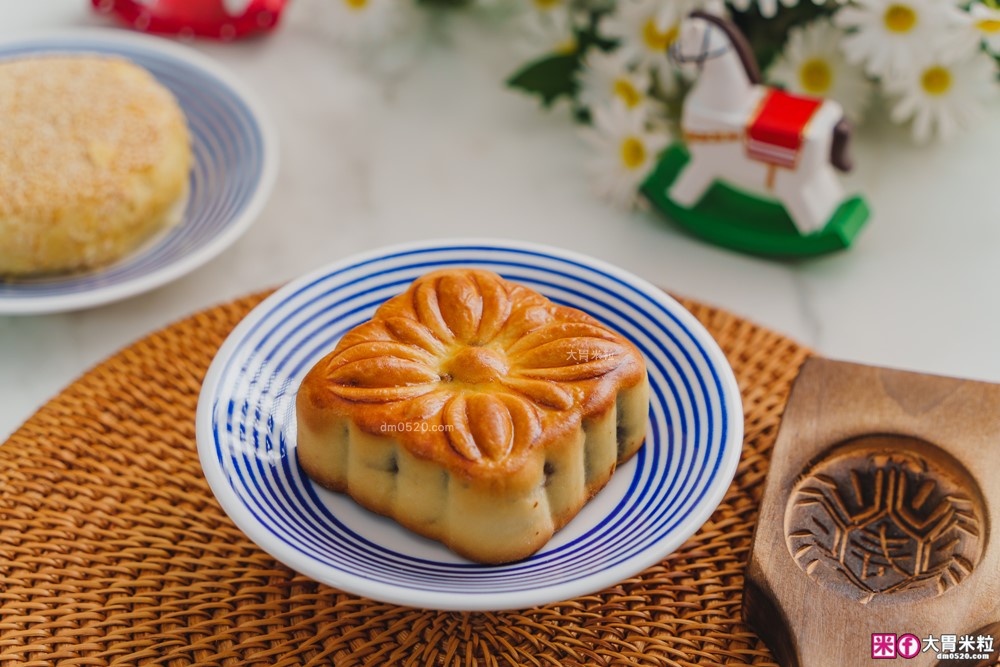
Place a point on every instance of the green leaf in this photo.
(550, 77)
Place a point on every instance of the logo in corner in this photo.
(908, 646)
(884, 645)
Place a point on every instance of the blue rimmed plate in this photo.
(235, 163)
(246, 435)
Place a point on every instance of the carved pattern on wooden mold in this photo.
(886, 515)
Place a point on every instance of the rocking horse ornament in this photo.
(758, 169)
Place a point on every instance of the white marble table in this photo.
(437, 147)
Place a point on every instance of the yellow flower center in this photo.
(546, 5)
(936, 80)
(356, 4)
(900, 18)
(816, 76)
(633, 153)
(656, 39)
(627, 92)
(989, 25)
(567, 47)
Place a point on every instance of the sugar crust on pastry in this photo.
(94, 158)
(475, 412)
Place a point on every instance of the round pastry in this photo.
(94, 158)
(474, 411)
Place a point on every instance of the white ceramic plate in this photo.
(235, 162)
(246, 435)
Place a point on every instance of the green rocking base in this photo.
(734, 219)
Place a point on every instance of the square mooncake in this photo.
(474, 411)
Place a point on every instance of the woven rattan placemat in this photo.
(114, 551)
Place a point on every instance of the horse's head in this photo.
(698, 40)
(703, 37)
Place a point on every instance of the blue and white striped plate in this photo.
(235, 162)
(246, 435)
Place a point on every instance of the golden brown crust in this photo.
(483, 523)
(94, 157)
(473, 373)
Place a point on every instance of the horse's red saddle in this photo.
(776, 132)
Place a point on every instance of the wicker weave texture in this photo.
(113, 550)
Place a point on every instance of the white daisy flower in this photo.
(549, 33)
(768, 8)
(813, 64)
(369, 21)
(627, 151)
(942, 97)
(986, 22)
(645, 29)
(891, 37)
(606, 76)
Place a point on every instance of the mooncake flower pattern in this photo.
(482, 362)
